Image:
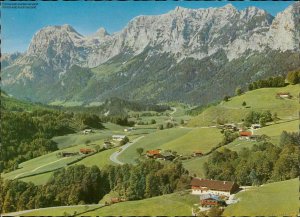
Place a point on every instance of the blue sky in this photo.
(19, 25)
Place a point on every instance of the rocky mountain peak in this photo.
(228, 7)
(285, 29)
(204, 38)
(102, 32)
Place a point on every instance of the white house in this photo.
(118, 137)
(87, 131)
(284, 95)
(107, 145)
(129, 129)
(216, 187)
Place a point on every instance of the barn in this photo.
(207, 186)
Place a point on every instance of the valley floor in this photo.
(280, 198)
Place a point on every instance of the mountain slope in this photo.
(178, 56)
(233, 111)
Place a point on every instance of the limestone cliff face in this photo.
(179, 34)
(196, 33)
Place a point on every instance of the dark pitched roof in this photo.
(213, 184)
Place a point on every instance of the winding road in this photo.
(114, 156)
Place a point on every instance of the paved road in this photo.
(114, 156)
(20, 213)
(174, 110)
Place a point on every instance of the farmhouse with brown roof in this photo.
(283, 95)
(154, 153)
(197, 153)
(216, 187)
(86, 150)
(245, 135)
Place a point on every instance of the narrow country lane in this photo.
(114, 156)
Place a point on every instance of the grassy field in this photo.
(181, 140)
(195, 166)
(152, 141)
(274, 131)
(71, 143)
(274, 199)
(43, 163)
(80, 138)
(63, 211)
(40, 179)
(201, 139)
(237, 145)
(166, 205)
(258, 100)
(175, 116)
(100, 159)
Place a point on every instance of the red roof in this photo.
(245, 133)
(213, 184)
(153, 152)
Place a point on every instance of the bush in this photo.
(226, 98)
(160, 127)
(293, 77)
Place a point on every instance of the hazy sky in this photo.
(19, 25)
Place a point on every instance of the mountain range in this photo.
(194, 56)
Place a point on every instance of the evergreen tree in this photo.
(238, 91)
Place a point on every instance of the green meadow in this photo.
(274, 199)
(257, 100)
(201, 139)
(152, 141)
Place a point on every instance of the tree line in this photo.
(278, 81)
(262, 118)
(293, 77)
(262, 163)
(85, 185)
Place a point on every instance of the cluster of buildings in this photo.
(159, 154)
(213, 192)
(243, 134)
(115, 138)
